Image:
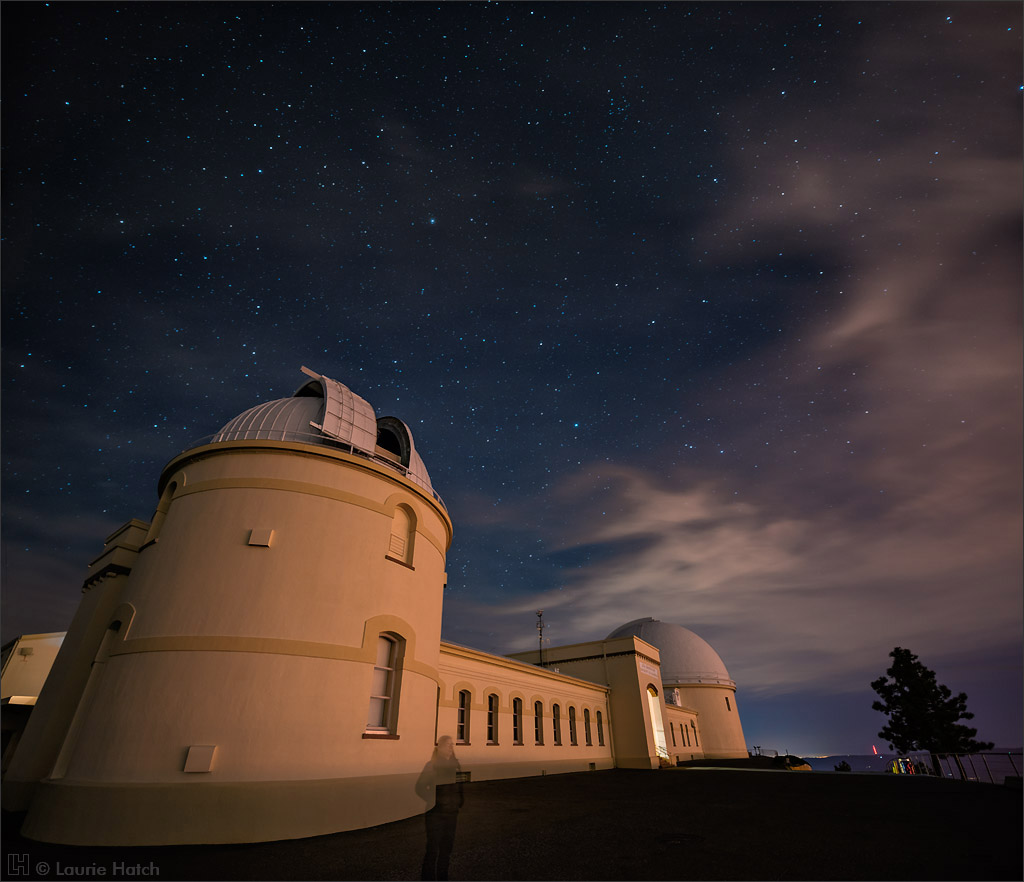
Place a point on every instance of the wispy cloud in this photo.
(886, 507)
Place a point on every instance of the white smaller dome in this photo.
(686, 658)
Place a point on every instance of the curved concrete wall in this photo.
(262, 645)
(721, 733)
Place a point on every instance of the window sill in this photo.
(398, 561)
(463, 743)
(493, 744)
(380, 736)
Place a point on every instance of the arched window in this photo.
(538, 723)
(109, 638)
(403, 534)
(120, 621)
(556, 724)
(462, 727)
(586, 726)
(695, 740)
(492, 719)
(672, 729)
(572, 726)
(160, 515)
(600, 730)
(383, 714)
(517, 721)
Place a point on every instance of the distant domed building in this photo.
(695, 676)
(262, 659)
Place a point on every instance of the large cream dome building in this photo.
(263, 658)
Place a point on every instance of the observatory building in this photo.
(263, 659)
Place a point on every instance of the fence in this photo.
(992, 768)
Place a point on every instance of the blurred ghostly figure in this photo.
(440, 779)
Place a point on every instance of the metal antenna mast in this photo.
(540, 636)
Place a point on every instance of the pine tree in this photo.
(923, 714)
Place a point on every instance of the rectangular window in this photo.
(380, 716)
(572, 726)
(600, 730)
(492, 719)
(586, 726)
(728, 707)
(462, 726)
(538, 723)
(556, 724)
(672, 729)
(517, 721)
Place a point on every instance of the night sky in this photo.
(707, 312)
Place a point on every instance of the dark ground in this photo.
(627, 824)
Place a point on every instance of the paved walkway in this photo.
(626, 824)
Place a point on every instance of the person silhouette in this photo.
(440, 779)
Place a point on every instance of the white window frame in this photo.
(492, 718)
(385, 721)
(462, 721)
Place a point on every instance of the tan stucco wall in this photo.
(626, 665)
(265, 652)
(60, 697)
(685, 747)
(89, 813)
(483, 674)
(721, 732)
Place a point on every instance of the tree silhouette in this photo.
(922, 713)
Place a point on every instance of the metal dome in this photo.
(685, 657)
(324, 411)
(286, 419)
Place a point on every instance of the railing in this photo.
(987, 767)
(310, 438)
(757, 750)
(685, 678)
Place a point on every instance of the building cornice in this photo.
(456, 651)
(316, 451)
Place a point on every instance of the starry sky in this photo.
(707, 312)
